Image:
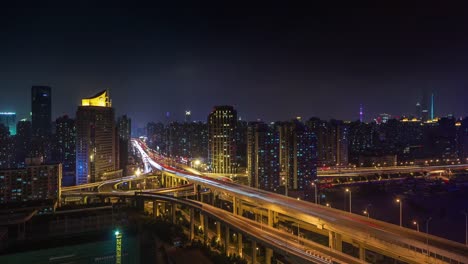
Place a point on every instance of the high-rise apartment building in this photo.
(41, 110)
(23, 142)
(124, 132)
(35, 182)
(298, 156)
(65, 144)
(263, 166)
(7, 158)
(8, 119)
(222, 139)
(96, 142)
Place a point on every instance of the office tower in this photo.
(425, 104)
(23, 141)
(155, 132)
(263, 147)
(35, 182)
(332, 141)
(96, 142)
(298, 156)
(188, 116)
(339, 142)
(418, 113)
(361, 113)
(41, 110)
(221, 139)
(7, 158)
(8, 119)
(432, 106)
(65, 144)
(124, 131)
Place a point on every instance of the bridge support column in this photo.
(218, 229)
(272, 217)
(155, 209)
(335, 241)
(192, 224)
(268, 255)
(362, 252)
(240, 244)
(234, 205)
(173, 212)
(226, 241)
(254, 252)
(205, 229)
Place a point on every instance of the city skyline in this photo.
(169, 60)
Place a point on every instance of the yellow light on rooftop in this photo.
(101, 100)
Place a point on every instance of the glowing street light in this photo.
(366, 212)
(315, 187)
(118, 247)
(138, 172)
(417, 225)
(401, 210)
(349, 190)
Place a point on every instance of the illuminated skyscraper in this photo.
(124, 131)
(8, 119)
(221, 139)
(96, 142)
(41, 110)
(263, 166)
(65, 144)
(188, 116)
(298, 156)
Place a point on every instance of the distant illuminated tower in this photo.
(432, 106)
(221, 139)
(8, 119)
(96, 142)
(188, 116)
(418, 110)
(361, 113)
(41, 110)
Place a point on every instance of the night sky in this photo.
(273, 63)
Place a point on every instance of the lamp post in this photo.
(401, 210)
(118, 247)
(466, 226)
(350, 203)
(417, 225)
(315, 187)
(366, 212)
(427, 233)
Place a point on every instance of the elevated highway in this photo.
(394, 241)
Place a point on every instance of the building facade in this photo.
(65, 144)
(263, 166)
(222, 139)
(96, 142)
(41, 111)
(35, 182)
(8, 119)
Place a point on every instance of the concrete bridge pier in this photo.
(254, 251)
(218, 230)
(272, 218)
(240, 244)
(362, 252)
(335, 241)
(155, 208)
(226, 241)
(268, 255)
(192, 224)
(173, 212)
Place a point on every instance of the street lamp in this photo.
(427, 233)
(466, 226)
(315, 187)
(401, 210)
(416, 224)
(348, 190)
(328, 205)
(366, 212)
